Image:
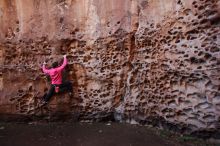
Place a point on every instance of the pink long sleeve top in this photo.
(55, 73)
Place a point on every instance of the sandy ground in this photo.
(86, 134)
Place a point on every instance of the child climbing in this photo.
(57, 85)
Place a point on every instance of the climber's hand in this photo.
(44, 63)
(64, 56)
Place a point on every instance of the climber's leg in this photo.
(44, 96)
(50, 93)
(66, 86)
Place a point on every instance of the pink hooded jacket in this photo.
(55, 73)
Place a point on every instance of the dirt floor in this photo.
(89, 134)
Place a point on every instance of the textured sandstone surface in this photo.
(141, 61)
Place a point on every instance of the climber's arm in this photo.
(44, 68)
(64, 63)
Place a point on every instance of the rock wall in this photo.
(145, 61)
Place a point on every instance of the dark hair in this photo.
(55, 64)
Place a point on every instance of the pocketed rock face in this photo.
(141, 61)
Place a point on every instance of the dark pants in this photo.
(66, 86)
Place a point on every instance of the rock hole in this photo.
(20, 91)
(215, 21)
(201, 7)
(200, 67)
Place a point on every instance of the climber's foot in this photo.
(70, 94)
(42, 102)
(44, 96)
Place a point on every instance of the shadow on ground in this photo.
(89, 134)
